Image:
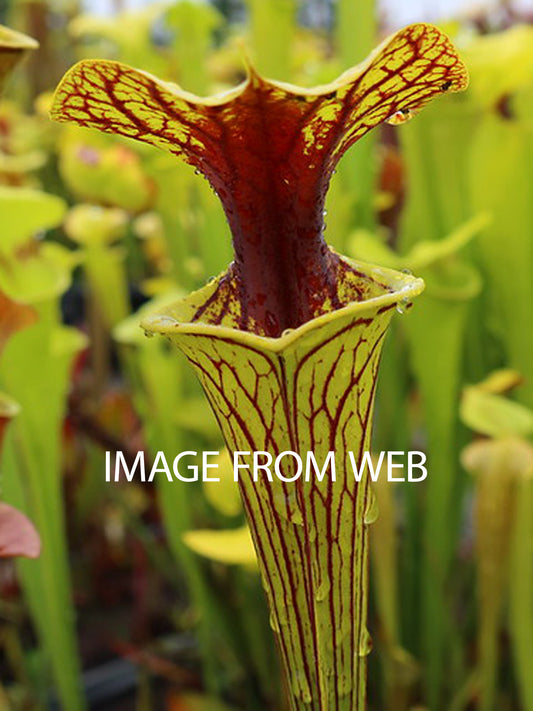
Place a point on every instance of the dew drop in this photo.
(403, 306)
(372, 509)
(287, 331)
(274, 624)
(365, 643)
(167, 321)
(399, 117)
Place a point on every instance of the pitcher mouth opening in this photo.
(385, 289)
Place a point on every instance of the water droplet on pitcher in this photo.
(403, 306)
(399, 117)
(287, 331)
(407, 271)
(372, 509)
(365, 643)
(167, 321)
(274, 624)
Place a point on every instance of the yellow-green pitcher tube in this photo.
(310, 390)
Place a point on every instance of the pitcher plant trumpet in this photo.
(286, 342)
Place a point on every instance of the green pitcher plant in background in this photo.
(286, 342)
(13, 46)
(435, 334)
(502, 466)
(35, 369)
(467, 155)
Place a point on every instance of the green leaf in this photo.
(494, 415)
(426, 254)
(500, 381)
(232, 547)
(36, 276)
(25, 212)
(13, 46)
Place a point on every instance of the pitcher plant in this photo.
(286, 342)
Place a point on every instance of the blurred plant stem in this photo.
(436, 205)
(355, 35)
(36, 368)
(272, 27)
(500, 181)
(521, 587)
(399, 668)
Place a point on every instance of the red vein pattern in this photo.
(268, 150)
(314, 395)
